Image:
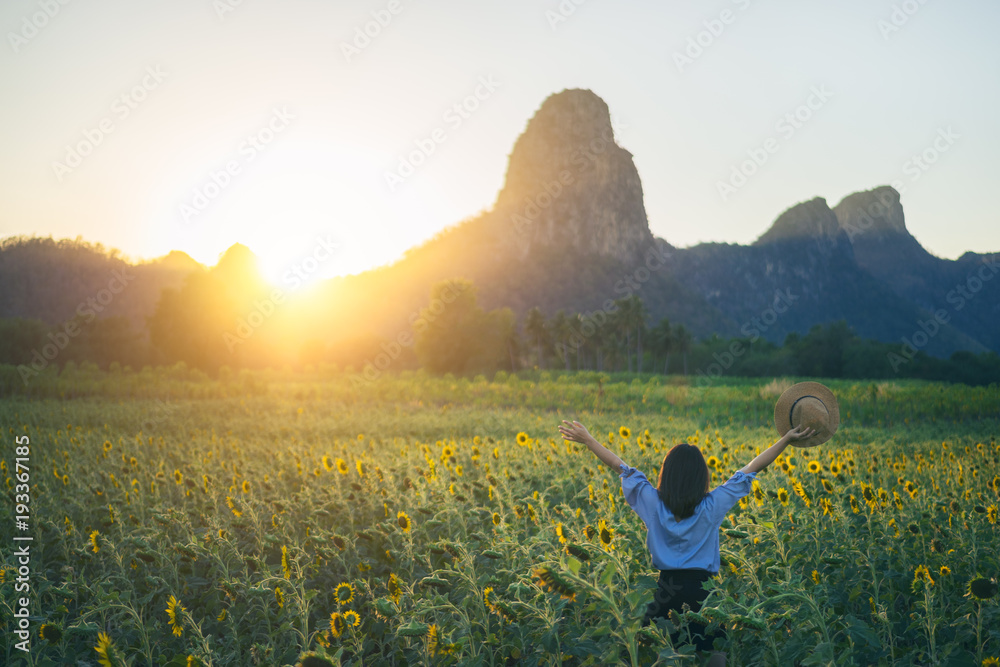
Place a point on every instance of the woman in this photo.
(682, 519)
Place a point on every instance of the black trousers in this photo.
(676, 587)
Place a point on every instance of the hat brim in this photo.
(782, 411)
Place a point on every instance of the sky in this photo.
(197, 124)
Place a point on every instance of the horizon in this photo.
(198, 104)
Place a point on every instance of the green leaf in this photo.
(574, 565)
(608, 574)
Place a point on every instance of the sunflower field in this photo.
(313, 518)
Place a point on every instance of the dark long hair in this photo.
(683, 479)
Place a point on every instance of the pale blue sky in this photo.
(324, 171)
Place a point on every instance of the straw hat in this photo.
(808, 404)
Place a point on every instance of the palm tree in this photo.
(631, 316)
(639, 314)
(663, 341)
(534, 326)
(562, 331)
(682, 342)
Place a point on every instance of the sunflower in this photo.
(245, 487)
(867, 494)
(327, 463)
(178, 477)
(815, 466)
(783, 496)
(607, 534)
(344, 593)
(945, 571)
(589, 531)
(337, 624)
(921, 573)
(50, 633)
(487, 595)
(404, 521)
(279, 597)
(522, 438)
(395, 590)
(815, 576)
(352, 618)
(222, 615)
(913, 528)
(496, 517)
(432, 640)
(560, 534)
(624, 432)
(827, 486)
(93, 541)
(991, 514)
(981, 589)
(834, 469)
(990, 662)
(232, 507)
(342, 466)
(827, 507)
(361, 468)
(712, 462)
(555, 583)
(174, 609)
(104, 648)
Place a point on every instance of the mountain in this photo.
(964, 288)
(52, 281)
(568, 230)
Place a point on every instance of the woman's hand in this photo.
(574, 432)
(577, 432)
(799, 433)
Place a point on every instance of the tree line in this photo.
(454, 334)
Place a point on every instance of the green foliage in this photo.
(229, 496)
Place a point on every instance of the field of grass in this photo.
(179, 520)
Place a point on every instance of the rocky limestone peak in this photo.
(810, 220)
(570, 184)
(877, 212)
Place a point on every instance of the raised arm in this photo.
(767, 456)
(577, 432)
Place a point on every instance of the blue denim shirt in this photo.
(692, 542)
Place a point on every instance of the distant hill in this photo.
(49, 280)
(568, 230)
